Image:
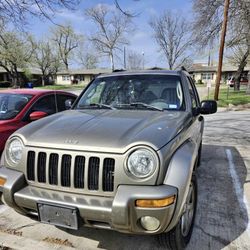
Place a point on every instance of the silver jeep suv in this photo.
(123, 157)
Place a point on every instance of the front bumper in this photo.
(118, 212)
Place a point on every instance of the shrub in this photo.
(200, 81)
(5, 84)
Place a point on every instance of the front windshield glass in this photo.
(157, 92)
(12, 104)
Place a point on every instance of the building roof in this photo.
(225, 68)
(84, 72)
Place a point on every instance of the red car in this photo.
(21, 106)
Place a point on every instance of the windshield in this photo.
(156, 92)
(12, 104)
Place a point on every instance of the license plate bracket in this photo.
(58, 215)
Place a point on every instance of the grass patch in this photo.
(229, 96)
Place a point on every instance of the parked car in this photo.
(231, 81)
(20, 107)
(123, 158)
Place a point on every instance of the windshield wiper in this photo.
(141, 104)
(96, 105)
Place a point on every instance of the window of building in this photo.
(207, 76)
(66, 78)
(81, 78)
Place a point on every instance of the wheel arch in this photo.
(179, 175)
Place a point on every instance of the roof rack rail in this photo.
(119, 70)
(183, 68)
(156, 68)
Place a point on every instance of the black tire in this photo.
(175, 239)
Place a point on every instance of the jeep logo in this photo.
(71, 141)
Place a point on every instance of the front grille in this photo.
(41, 171)
(93, 177)
(79, 172)
(53, 168)
(108, 174)
(65, 173)
(30, 166)
(71, 171)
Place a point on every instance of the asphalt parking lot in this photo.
(223, 212)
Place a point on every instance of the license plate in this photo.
(58, 215)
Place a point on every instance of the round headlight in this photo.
(142, 163)
(14, 150)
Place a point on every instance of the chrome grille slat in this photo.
(76, 171)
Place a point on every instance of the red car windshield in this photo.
(12, 104)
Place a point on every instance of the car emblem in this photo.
(71, 141)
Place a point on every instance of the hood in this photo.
(104, 130)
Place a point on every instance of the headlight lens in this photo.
(14, 150)
(142, 163)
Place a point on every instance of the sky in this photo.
(141, 40)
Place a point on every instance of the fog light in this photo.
(150, 223)
(2, 181)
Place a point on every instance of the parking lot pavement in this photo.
(223, 210)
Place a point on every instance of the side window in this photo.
(46, 104)
(193, 93)
(61, 101)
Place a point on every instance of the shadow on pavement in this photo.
(220, 219)
(221, 215)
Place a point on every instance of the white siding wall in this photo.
(66, 79)
(63, 80)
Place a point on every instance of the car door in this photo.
(198, 122)
(46, 103)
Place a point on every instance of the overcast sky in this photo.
(141, 40)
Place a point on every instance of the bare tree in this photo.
(171, 33)
(240, 57)
(46, 59)
(125, 12)
(17, 12)
(87, 56)
(15, 53)
(134, 60)
(112, 26)
(208, 21)
(66, 41)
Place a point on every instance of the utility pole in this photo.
(143, 62)
(222, 43)
(124, 58)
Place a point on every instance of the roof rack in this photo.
(183, 68)
(118, 70)
(156, 68)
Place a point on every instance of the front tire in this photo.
(180, 235)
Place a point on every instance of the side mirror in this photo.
(208, 107)
(37, 115)
(68, 103)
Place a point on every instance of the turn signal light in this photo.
(2, 181)
(155, 203)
